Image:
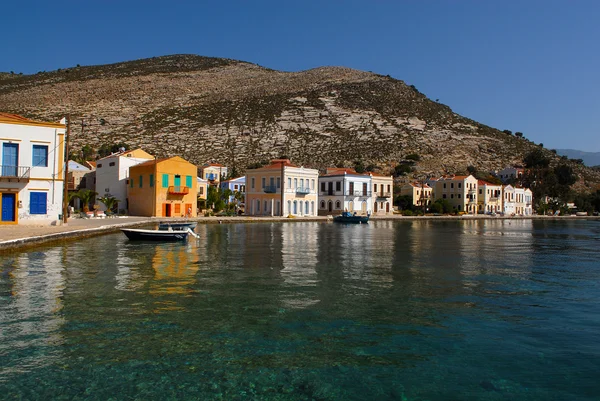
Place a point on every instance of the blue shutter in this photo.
(38, 202)
(40, 156)
(188, 181)
(165, 180)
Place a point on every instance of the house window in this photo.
(38, 202)
(459, 184)
(289, 182)
(165, 180)
(389, 189)
(338, 205)
(235, 187)
(338, 185)
(99, 165)
(481, 192)
(111, 164)
(141, 180)
(252, 183)
(458, 196)
(188, 181)
(151, 180)
(40, 156)
(278, 182)
(444, 196)
(322, 187)
(201, 191)
(322, 204)
(375, 187)
(451, 185)
(177, 208)
(131, 182)
(452, 196)
(444, 185)
(264, 180)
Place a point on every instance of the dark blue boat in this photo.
(137, 234)
(347, 217)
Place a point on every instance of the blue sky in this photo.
(531, 66)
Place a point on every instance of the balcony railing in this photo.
(302, 190)
(385, 195)
(358, 193)
(18, 172)
(270, 189)
(179, 190)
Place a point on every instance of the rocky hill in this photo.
(238, 113)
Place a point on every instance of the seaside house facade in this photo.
(489, 199)
(31, 170)
(382, 194)
(202, 188)
(163, 188)
(213, 173)
(419, 193)
(460, 191)
(234, 185)
(281, 189)
(508, 200)
(112, 174)
(344, 190)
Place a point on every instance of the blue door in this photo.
(8, 207)
(10, 159)
(177, 182)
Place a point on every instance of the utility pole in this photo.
(65, 182)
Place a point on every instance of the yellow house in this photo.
(460, 191)
(421, 194)
(163, 188)
(383, 193)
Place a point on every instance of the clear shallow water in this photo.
(459, 310)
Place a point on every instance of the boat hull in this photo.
(178, 226)
(351, 219)
(155, 235)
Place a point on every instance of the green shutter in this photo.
(188, 181)
(165, 181)
(151, 180)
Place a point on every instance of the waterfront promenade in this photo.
(24, 235)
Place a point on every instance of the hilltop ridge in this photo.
(239, 113)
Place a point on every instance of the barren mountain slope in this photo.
(239, 113)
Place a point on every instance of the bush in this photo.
(413, 156)
(407, 213)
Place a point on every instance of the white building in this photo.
(31, 170)
(510, 174)
(508, 200)
(343, 189)
(112, 174)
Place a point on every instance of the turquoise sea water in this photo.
(456, 310)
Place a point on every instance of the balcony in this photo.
(212, 177)
(15, 172)
(71, 184)
(178, 190)
(358, 193)
(270, 189)
(384, 195)
(302, 190)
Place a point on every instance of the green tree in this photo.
(86, 196)
(110, 202)
(536, 159)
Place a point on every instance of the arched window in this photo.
(306, 208)
(289, 208)
(322, 204)
(312, 207)
(338, 205)
(295, 207)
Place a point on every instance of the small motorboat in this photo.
(347, 217)
(138, 234)
(178, 226)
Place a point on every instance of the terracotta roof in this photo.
(335, 171)
(213, 165)
(276, 164)
(9, 118)
(418, 185)
(380, 175)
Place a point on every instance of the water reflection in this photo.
(30, 319)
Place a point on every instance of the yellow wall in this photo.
(151, 201)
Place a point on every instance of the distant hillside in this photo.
(238, 113)
(589, 158)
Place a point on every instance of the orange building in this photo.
(163, 188)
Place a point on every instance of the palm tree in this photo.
(110, 202)
(86, 196)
